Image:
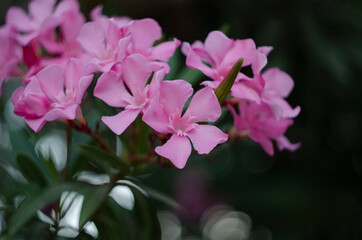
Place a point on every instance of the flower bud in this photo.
(223, 89)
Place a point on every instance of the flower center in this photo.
(181, 125)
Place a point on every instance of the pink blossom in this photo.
(262, 126)
(101, 40)
(144, 33)
(107, 42)
(278, 86)
(271, 87)
(40, 20)
(72, 20)
(10, 55)
(40, 24)
(165, 116)
(220, 53)
(112, 89)
(53, 93)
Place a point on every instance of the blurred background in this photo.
(313, 193)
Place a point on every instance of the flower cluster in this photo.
(61, 52)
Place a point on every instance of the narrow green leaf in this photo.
(20, 142)
(30, 170)
(92, 201)
(104, 157)
(36, 201)
(223, 89)
(145, 213)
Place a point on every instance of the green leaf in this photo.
(102, 157)
(223, 89)
(35, 201)
(92, 200)
(156, 194)
(50, 167)
(109, 219)
(19, 141)
(145, 213)
(30, 170)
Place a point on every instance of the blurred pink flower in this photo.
(53, 93)
(165, 116)
(262, 126)
(42, 21)
(10, 55)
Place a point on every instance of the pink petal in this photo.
(155, 117)
(51, 80)
(59, 113)
(84, 83)
(204, 106)
(211, 84)
(123, 45)
(121, 121)
(177, 149)
(206, 137)
(259, 63)
(240, 90)
(35, 123)
(135, 72)
(155, 84)
(265, 142)
(281, 107)
(165, 50)
(111, 90)
(34, 87)
(73, 72)
(194, 61)
(174, 95)
(41, 9)
(92, 38)
(217, 44)
(19, 19)
(277, 82)
(145, 32)
(265, 50)
(244, 48)
(96, 13)
(284, 143)
(49, 24)
(72, 18)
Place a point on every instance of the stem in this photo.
(84, 128)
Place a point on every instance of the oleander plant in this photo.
(93, 104)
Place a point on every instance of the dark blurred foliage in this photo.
(315, 192)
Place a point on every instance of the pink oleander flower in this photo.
(100, 41)
(44, 17)
(128, 90)
(10, 55)
(53, 93)
(164, 115)
(220, 53)
(270, 87)
(40, 20)
(72, 20)
(143, 34)
(107, 42)
(278, 86)
(262, 126)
